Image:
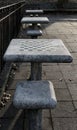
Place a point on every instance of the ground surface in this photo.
(63, 76)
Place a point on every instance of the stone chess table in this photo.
(34, 11)
(35, 20)
(37, 51)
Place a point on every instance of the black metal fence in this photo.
(10, 17)
(52, 5)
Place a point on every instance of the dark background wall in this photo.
(6, 2)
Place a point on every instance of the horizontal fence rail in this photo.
(10, 17)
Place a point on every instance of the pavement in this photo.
(63, 76)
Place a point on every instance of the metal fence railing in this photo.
(9, 25)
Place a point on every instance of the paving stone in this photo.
(54, 68)
(46, 113)
(54, 75)
(65, 64)
(52, 36)
(66, 67)
(72, 36)
(59, 83)
(64, 109)
(75, 104)
(62, 94)
(69, 73)
(74, 55)
(61, 36)
(73, 49)
(49, 64)
(65, 123)
(25, 65)
(71, 40)
(24, 74)
(73, 91)
(74, 62)
(74, 24)
(46, 124)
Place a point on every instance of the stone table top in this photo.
(34, 11)
(35, 94)
(35, 20)
(37, 50)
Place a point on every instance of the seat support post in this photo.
(33, 120)
(36, 71)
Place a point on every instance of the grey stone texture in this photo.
(73, 91)
(65, 123)
(34, 95)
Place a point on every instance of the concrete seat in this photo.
(34, 95)
(30, 25)
(34, 11)
(34, 33)
(39, 25)
(36, 15)
(31, 15)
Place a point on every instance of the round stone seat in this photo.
(34, 95)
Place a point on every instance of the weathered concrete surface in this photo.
(35, 95)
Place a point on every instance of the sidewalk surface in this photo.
(63, 76)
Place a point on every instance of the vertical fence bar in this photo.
(0, 46)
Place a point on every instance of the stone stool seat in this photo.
(39, 25)
(34, 11)
(34, 95)
(34, 33)
(31, 15)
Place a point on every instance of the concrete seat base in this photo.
(35, 95)
(31, 15)
(30, 25)
(39, 25)
(34, 33)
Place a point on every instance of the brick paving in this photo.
(63, 76)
